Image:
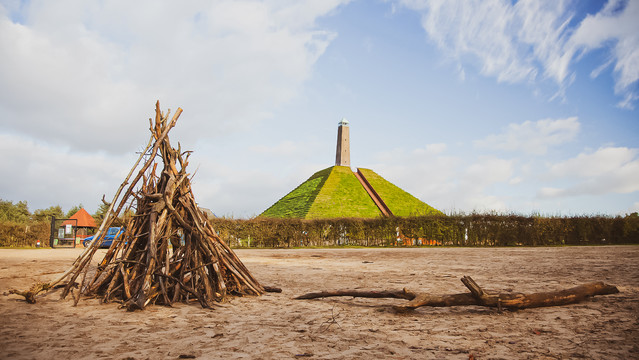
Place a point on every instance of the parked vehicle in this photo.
(111, 234)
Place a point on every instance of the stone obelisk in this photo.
(343, 153)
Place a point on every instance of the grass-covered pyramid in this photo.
(336, 192)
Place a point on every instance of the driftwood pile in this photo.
(169, 252)
(477, 296)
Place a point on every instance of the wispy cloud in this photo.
(533, 137)
(615, 26)
(523, 40)
(499, 36)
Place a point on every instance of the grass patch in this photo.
(398, 201)
(297, 203)
(342, 196)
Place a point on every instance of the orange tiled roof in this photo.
(83, 217)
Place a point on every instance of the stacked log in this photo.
(169, 252)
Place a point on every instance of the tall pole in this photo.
(52, 230)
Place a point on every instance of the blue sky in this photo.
(523, 106)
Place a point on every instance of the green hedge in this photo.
(456, 230)
(15, 234)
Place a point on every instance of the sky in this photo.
(526, 107)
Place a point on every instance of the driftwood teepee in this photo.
(169, 252)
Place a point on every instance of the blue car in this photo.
(111, 234)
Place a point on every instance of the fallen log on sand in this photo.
(477, 296)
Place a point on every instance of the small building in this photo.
(85, 225)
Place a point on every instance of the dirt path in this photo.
(276, 327)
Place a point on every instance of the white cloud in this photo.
(446, 182)
(516, 41)
(604, 161)
(533, 137)
(628, 101)
(491, 183)
(595, 73)
(476, 181)
(606, 171)
(550, 192)
(283, 148)
(37, 171)
(88, 70)
(515, 180)
(217, 187)
(432, 149)
(231, 190)
(621, 28)
(488, 170)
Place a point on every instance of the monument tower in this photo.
(343, 152)
(340, 192)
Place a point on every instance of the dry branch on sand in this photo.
(169, 252)
(30, 294)
(477, 296)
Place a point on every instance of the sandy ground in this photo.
(276, 327)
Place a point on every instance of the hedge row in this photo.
(456, 230)
(16, 234)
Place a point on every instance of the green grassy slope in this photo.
(342, 196)
(398, 201)
(335, 192)
(297, 203)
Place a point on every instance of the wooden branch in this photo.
(388, 294)
(478, 296)
(541, 299)
(29, 295)
(272, 289)
(422, 299)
